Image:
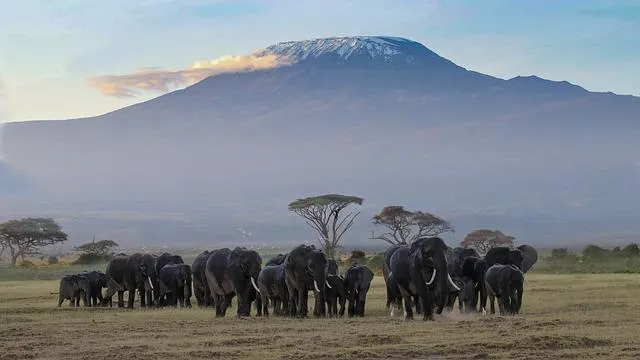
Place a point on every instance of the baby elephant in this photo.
(357, 280)
(273, 289)
(505, 282)
(72, 287)
(336, 293)
(175, 284)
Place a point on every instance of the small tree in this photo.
(323, 214)
(25, 237)
(632, 250)
(483, 239)
(102, 248)
(405, 226)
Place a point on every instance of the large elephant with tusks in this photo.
(421, 270)
(306, 270)
(232, 273)
(131, 273)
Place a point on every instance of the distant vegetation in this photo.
(592, 259)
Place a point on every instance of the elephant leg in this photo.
(132, 298)
(343, 308)
(491, 302)
(362, 295)
(217, 303)
(143, 298)
(199, 294)
(408, 308)
(503, 303)
(292, 303)
(60, 299)
(265, 304)
(426, 303)
(303, 297)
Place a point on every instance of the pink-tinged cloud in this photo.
(162, 81)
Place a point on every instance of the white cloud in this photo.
(161, 80)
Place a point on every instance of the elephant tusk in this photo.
(477, 285)
(253, 282)
(452, 283)
(316, 285)
(150, 282)
(327, 283)
(433, 277)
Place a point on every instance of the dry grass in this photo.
(564, 316)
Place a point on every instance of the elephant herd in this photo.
(426, 276)
(429, 276)
(282, 286)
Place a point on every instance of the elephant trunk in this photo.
(443, 280)
(319, 282)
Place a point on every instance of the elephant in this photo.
(232, 273)
(336, 294)
(529, 257)
(97, 281)
(175, 284)
(167, 258)
(474, 269)
(421, 270)
(394, 297)
(276, 260)
(131, 273)
(504, 255)
(200, 287)
(357, 281)
(72, 288)
(456, 256)
(271, 282)
(306, 269)
(505, 282)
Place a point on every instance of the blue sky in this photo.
(49, 50)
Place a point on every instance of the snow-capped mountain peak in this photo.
(385, 48)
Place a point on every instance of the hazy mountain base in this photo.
(233, 150)
(563, 316)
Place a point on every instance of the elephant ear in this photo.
(529, 257)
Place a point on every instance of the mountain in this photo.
(383, 118)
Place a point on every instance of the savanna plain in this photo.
(594, 316)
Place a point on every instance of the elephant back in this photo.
(276, 260)
(167, 258)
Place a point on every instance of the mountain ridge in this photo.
(233, 149)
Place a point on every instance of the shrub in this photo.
(52, 260)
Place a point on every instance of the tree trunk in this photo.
(14, 259)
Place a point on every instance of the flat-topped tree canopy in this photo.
(485, 239)
(329, 200)
(322, 213)
(406, 226)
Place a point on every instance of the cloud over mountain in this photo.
(162, 80)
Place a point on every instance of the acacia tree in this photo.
(324, 214)
(405, 226)
(26, 236)
(484, 239)
(98, 248)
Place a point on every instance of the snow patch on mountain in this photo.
(375, 47)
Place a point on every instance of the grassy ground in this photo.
(564, 316)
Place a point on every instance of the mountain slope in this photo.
(383, 118)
